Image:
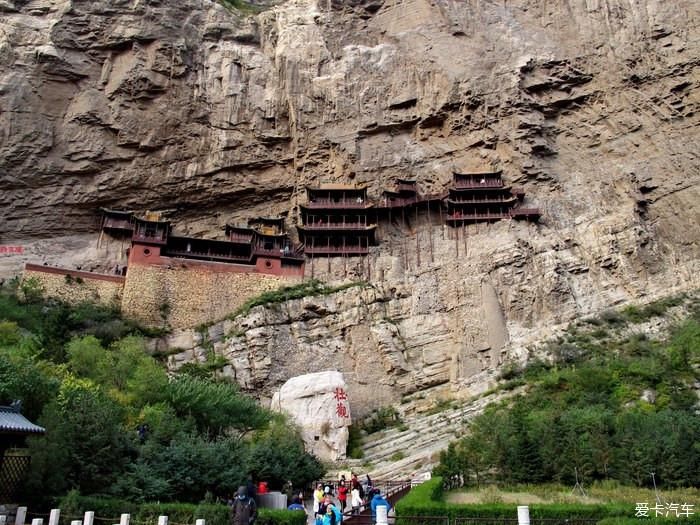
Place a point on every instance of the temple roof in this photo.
(477, 173)
(273, 220)
(117, 212)
(239, 227)
(12, 422)
(143, 219)
(337, 187)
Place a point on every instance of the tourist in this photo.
(250, 487)
(296, 504)
(243, 511)
(356, 500)
(329, 518)
(378, 501)
(318, 498)
(323, 507)
(342, 494)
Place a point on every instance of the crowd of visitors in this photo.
(361, 494)
(330, 502)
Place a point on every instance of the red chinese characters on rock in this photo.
(5, 249)
(341, 408)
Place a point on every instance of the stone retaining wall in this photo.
(186, 295)
(75, 286)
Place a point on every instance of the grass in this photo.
(596, 493)
(441, 406)
(242, 6)
(310, 288)
(398, 456)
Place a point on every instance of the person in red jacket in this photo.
(342, 494)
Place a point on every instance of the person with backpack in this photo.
(378, 501)
(244, 510)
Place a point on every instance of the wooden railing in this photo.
(322, 250)
(118, 224)
(470, 185)
(525, 212)
(157, 237)
(496, 199)
(475, 216)
(338, 204)
(245, 238)
(208, 255)
(337, 225)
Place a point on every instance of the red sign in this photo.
(340, 394)
(8, 249)
(341, 409)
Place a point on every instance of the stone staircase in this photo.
(394, 454)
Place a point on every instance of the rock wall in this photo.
(213, 117)
(75, 286)
(188, 294)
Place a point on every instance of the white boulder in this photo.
(319, 404)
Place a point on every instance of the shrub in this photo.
(280, 517)
(426, 500)
(107, 508)
(313, 287)
(612, 317)
(147, 513)
(381, 419)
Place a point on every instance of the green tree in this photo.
(215, 406)
(185, 469)
(85, 447)
(277, 455)
(26, 379)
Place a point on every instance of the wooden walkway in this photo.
(392, 491)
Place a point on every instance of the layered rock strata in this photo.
(213, 117)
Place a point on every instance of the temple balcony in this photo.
(117, 224)
(209, 255)
(526, 213)
(496, 199)
(338, 204)
(157, 237)
(272, 252)
(477, 185)
(406, 186)
(241, 238)
(399, 202)
(323, 226)
(336, 250)
(473, 217)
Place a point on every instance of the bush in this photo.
(381, 419)
(426, 500)
(107, 508)
(184, 513)
(280, 517)
(313, 287)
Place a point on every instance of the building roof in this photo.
(153, 220)
(328, 186)
(12, 422)
(477, 173)
(109, 211)
(275, 220)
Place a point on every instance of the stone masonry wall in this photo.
(76, 287)
(186, 296)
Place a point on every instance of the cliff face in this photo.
(211, 116)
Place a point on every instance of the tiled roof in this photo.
(13, 422)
